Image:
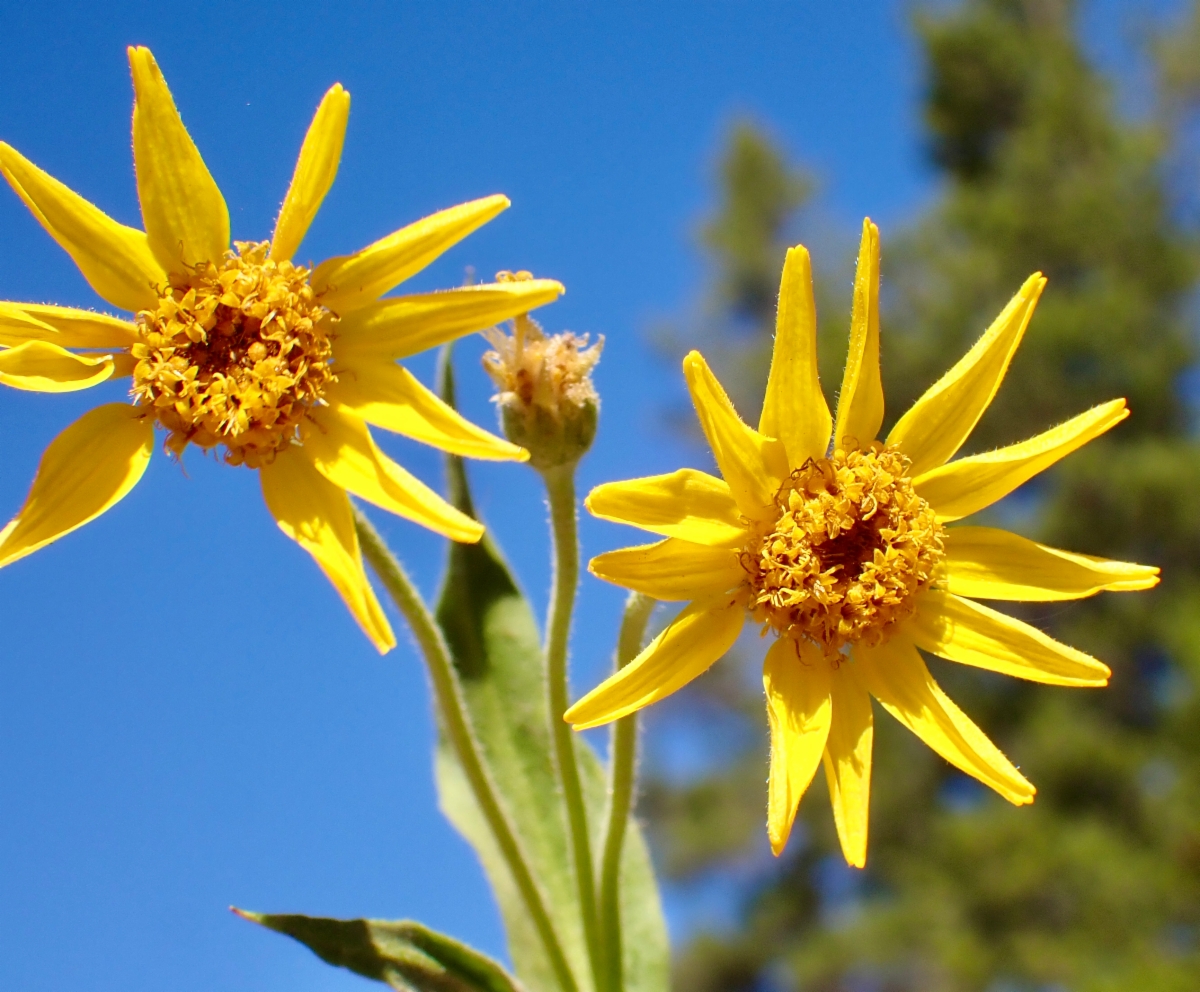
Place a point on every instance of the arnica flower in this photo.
(279, 367)
(842, 545)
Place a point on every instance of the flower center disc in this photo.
(234, 355)
(852, 546)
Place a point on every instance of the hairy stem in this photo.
(622, 769)
(560, 491)
(454, 720)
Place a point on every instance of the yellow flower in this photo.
(839, 544)
(281, 367)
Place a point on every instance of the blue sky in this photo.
(188, 716)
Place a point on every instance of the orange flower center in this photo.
(852, 546)
(234, 355)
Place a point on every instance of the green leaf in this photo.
(497, 653)
(405, 955)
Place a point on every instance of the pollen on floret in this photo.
(851, 547)
(235, 355)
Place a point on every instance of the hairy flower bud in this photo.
(545, 396)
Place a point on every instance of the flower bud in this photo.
(545, 396)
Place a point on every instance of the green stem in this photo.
(622, 767)
(560, 492)
(458, 729)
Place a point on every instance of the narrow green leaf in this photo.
(405, 955)
(494, 640)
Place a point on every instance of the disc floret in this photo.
(236, 354)
(851, 547)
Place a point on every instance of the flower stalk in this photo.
(560, 493)
(622, 772)
(454, 720)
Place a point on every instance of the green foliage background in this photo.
(1096, 887)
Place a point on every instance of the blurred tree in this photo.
(1096, 887)
(762, 203)
(746, 236)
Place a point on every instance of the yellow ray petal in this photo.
(986, 563)
(351, 281)
(62, 326)
(794, 408)
(315, 170)
(86, 469)
(388, 396)
(896, 676)
(17, 327)
(400, 326)
(753, 465)
(848, 763)
(79, 328)
(860, 403)
(796, 681)
(687, 648)
(41, 367)
(115, 260)
(316, 514)
(966, 485)
(936, 426)
(960, 630)
(184, 212)
(343, 451)
(671, 569)
(687, 504)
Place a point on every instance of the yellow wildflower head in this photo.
(239, 348)
(545, 395)
(843, 546)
